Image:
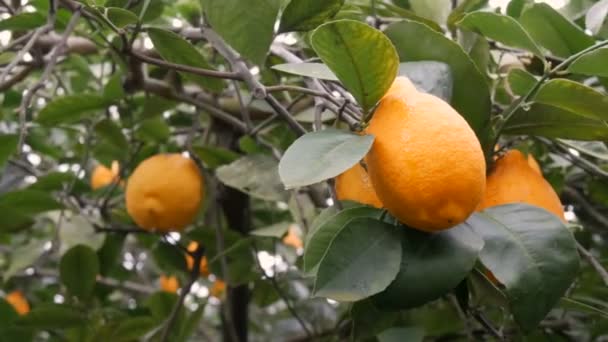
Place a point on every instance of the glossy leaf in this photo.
(592, 64)
(362, 58)
(450, 254)
(574, 97)
(321, 155)
(248, 26)
(527, 248)
(417, 42)
(501, 28)
(8, 146)
(256, 175)
(78, 271)
(553, 31)
(520, 81)
(362, 260)
(70, 109)
(173, 48)
(305, 15)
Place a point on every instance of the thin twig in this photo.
(244, 109)
(28, 46)
(601, 271)
(126, 285)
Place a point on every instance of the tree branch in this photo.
(601, 271)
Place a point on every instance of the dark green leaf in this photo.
(214, 157)
(70, 109)
(28, 202)
(527, 248)
(78, 271)
(169, 258)
(501, 28)
(362, 58)
(553, 122)
(410, 334)
(574, 97)
(429, 77)
(368, 320)
(8, 314)
(22, 22)
(161, 304)
(349, 270)
(56, 181)
(153, 11)
(121, 17)
(256, 175)
(176, 49)
(417, 42)
(133, 328)
(52, 316)
(321, 155)
(325, 229)
(254, 31)
(154, 129)
(592, 64)
(8, 146)
(305, 15)
(315, 70)
(520, 81)
(109, 131)
(450, 254)
(554, 32)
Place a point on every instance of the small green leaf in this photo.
(437, 10)
(314, 70)
(161, 304)
(52, 316)
(22, 257)
(109, 131)
(176, 49)
(70, 109)
(520, 81)
(362, 57)
(515, 7)
(326, 227)
(368, 320)
(22, 22)
(78, 271)
(153, 10)
(28, 202)
(154, 129)
(256, 175)
(113, 90)
(554, 32)
(527, 248)
(592, 64)
(321, 155)
(121, 17)
(305, 15)
(349, 269)
(574, 97)
(255, 30)
(442, 259)
(214, 157)
(169, 257)
(8, 146)
(410, 334)
(501, 28)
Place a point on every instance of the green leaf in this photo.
(109, 131)
(8, 314)
(314, 70)
(154, 9)
(325, 229)
(133, 328)
(527, 248)
(436, 10)
(23, 256)
(368, 320)
(442, 259)
(252, 36)
(161, 304)
(28, 202)
(418, 42)
(77, 230)
(553, 122)
(154, 129)
(256, 175)
(276, 230)
(121, 17)
(70, 109)
(52, 316)
(429, 77)
(23, 22)
(574, 97)
(520, 81)
(362, 58)
(78, 271)
(56, 181)
(321, 155)
(113, 90)
(554, 32)
(596, 16)
(305, 15)
(463, 8)
(169, 257)
(515, 7)
(192, 323)
(592, 64)
(8, 146)
(176, 49)
(410, 334)
(501, 28)
(214, 157)
(349, 269)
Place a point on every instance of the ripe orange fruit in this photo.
(18, 301)
(354, 185)
(204, 268)
(169, 283)
(293, 238)
(426, 164)
(218, 288)
(512, 180)
(165, 192)
(102, 176)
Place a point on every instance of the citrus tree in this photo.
(304, 170)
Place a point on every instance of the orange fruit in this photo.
(426, 164)
(204, 268)
(354, 185)
(169, 283)
(218, 288)
(293, 238)
(102, 176)
(534, 164)
(18, 301)
(164, 193)
(513, 180)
